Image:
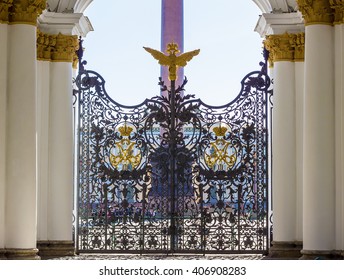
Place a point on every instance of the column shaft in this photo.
(339, 109)
(299, 105)
(319, 169)
(60, 152)
(3, 102)
(21, 138)
(43, 93)
(284, 152)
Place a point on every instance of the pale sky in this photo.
(222, 29)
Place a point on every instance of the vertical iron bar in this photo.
(78, 139)
(172, 149)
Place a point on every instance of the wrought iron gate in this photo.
(172, 174)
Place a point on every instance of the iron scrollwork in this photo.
(172, 174)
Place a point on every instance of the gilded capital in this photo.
(298, 43)
(280, 47)
(26, 11)
(66, 46)
(338, 8)
(316, 11)
(59, 48)
(45, 44)
(5, 6)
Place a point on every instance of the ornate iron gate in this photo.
(172, 174)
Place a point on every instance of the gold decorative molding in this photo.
(316, 11)
(5, 6)
(338, 7)
(26, 11)
(56, 48)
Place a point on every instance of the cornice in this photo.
(285, 47)
(56, 47)
(316, 11)
(5, 6)
(270, 23)
(72, 23)
(26, 11)
(338, 8)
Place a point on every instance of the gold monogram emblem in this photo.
(221, 155)
(125, 156)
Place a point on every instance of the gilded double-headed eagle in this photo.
(172, 60)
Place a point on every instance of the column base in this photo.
(321, 255)
(3, 254)
(22, 254)
(285, 250)
(55, 249)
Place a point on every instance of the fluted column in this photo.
(56, 54)
(284, 145)
(319, 131)
(4, 17)
(338, 7)
(20, 206)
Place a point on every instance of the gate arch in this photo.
(172, 174)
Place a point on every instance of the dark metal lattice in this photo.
(173, 174)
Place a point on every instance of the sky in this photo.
(222, 29)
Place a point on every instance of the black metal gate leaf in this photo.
(172, 174)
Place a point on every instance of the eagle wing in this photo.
(161, 57)
(184, 58)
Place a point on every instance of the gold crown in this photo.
(125, 130)
(172, 48)
(220, 130)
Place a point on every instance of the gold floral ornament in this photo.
(172, 60)
(221, 155)
(125, 156)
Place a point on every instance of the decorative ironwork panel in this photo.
(173, 174)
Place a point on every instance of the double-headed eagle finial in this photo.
(171, 60)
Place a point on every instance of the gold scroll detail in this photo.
(172, 60)
(285, 47)
(5, 6)
(125, 156)
(56, 48)
(26, 11)
(316, 11)
(221, 155)
(338, 7)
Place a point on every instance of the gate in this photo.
(172, 174)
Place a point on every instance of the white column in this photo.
(284, 152)
(319, 142)
(21, 193)
(299, 105)
(339, 121)
(3, 102)
(43, 92)
(60, 152)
